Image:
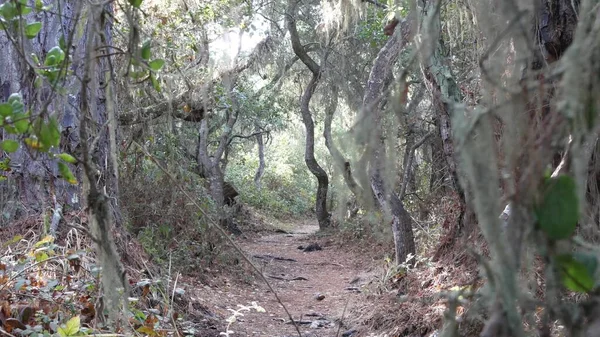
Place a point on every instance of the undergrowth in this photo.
(51, 287)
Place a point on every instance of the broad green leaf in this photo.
(9, 145)
(23, 8)
(54, 131)
(9, 127)
(588, 260)
(32, 29)
(5, 109)
(136, 3)
(66, 173)
(55, 56)
(15, 98)
(8, 10)
(47, 133)
(558, 212)
(73, 326)
(574, 274)
(67, 158)
(21, 122)
(156, 64)
(145, 53)
(18, 107)
(50, 61)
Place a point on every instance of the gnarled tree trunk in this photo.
(323, 215)
(374, 97)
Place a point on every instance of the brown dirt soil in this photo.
(300, 279)
(349, 277)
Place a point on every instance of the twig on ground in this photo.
(271, 257)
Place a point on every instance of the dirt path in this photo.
(315, 287)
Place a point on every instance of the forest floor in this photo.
(319, 288)
(345, 286)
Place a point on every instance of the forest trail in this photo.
(317, 287)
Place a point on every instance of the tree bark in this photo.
(375, 95)
(261, 160)
(446, 93)
(97, 202)
(323, 215)
(37, 181)
(209, 167)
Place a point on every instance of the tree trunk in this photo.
(37, 182)
(323, 215)
(209, 168)
(373, 101)
(439, 169)
(93, 112)
(261, 160)
(390, 204)
(446, 93)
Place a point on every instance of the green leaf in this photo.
(558, 212)
(39, 5)
(41, 256)
(589, 261)
(55, 56)
(17, 107)
(32, 29)
(38, 82)
(24, 9)
(5, 165)
(66, 173)
(8, 10)
(35, 58)
(156, 64)
(73, 325)
(48, 133)
(155, 82)
(136, 3)
(9, 145)
(146, 53)
(15, 98)
(62, 43)
(574, 274)
(67, 158)
(5, 110)
(21, 122)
